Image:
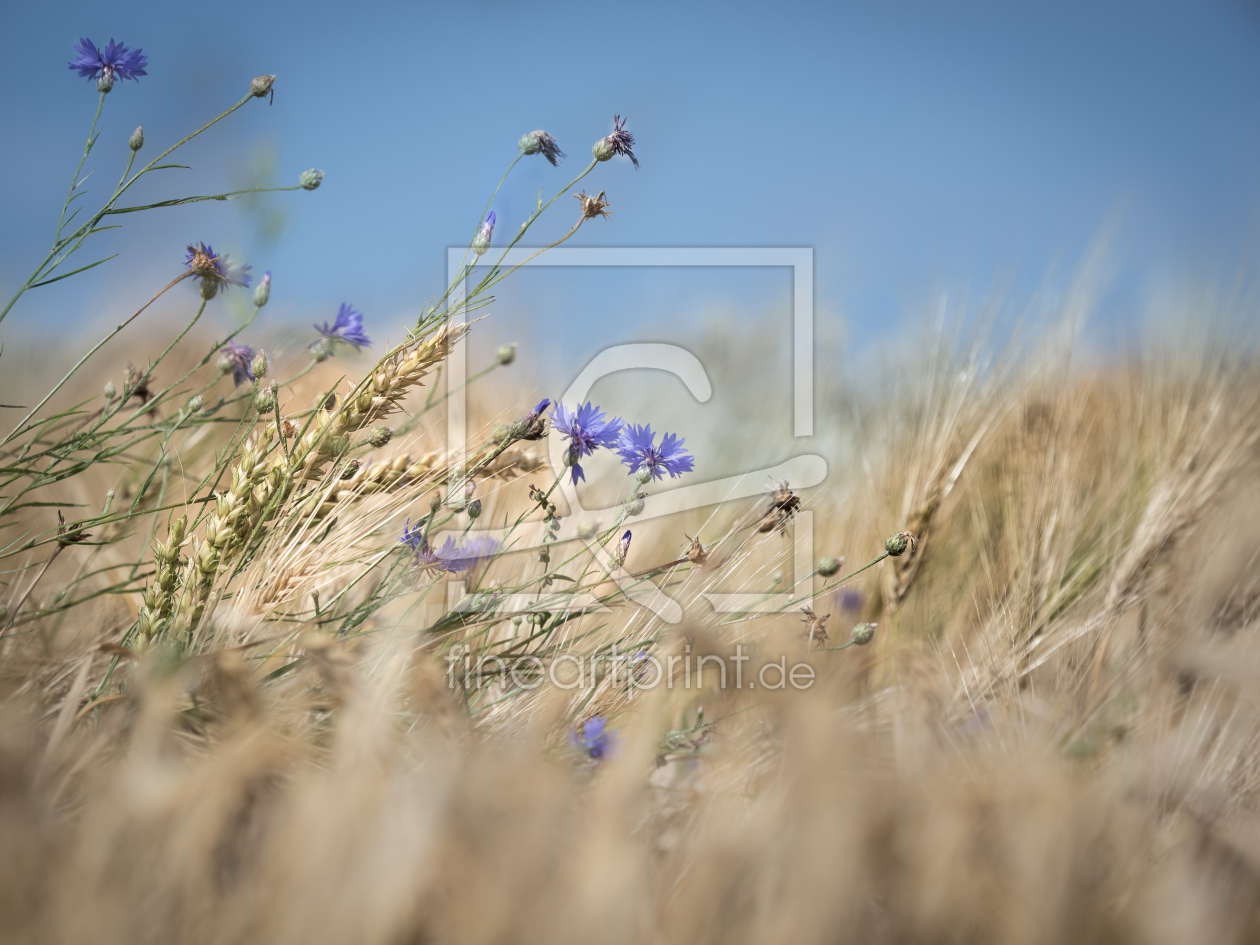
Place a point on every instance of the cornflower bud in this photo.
(481, 242)
(259, 365)
(195, 404)
(474, 509)
(380, 436)
(863, 633)
(262, 291)
(505, 354)
(310, 180)
(634, 505)
(137, 139)
(828, 567)
(110, 391)
(435, 503)
(897, 544)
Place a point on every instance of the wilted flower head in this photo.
(637, 450)
(595, 740)
(619, 142)
(453, 556)
(593, 206)
(116, 60)
(539, 141)
(587, 430)
(481, 242)
(239, 360)
(347, 328)
(214, 270)
(532, 426)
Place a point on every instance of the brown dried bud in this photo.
(261, 85)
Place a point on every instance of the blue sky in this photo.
(916, 147)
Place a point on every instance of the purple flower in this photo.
(587, 430)
(539, 142)
(348, 328)
(453, 556)
(596, 740)
(213, 269)
(116, 60)
(637, 450)
(239, 360)
(619, 142)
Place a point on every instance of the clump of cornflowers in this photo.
(214, 271)
(596, 740)
(587, 429)
(539, 142)
(452, 557)
(238, 360)
(347, 328)
(638, 450)
(115, 61)
(619, 142)
(481, 242)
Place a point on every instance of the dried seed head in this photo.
(288, 429)
(828, 567)
(593, 206)
(697, 553)
(897, 544)
(260, 85)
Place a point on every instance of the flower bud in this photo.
(259, 365)
(110, 390)
(435, 503)
(262, 291)
(194, 405)
(897, 544)
(505, 354)
(106, 81)
(634, 505)
(261, 85)
(310, 180)
(474, 509)
(137, 139)
(863, 633)
(587, 529)
(481, 242)
(380, 436)
(265, 400)
(604, 149)
(224, 364)
(828, 567)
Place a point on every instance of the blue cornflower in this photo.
(348, 328)
(637, 450)
(239, 360)
(596, 740)
(213, 270)
(481, 242)
(623, 548)
(116, 60)
(587, 430)
(452, 557)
